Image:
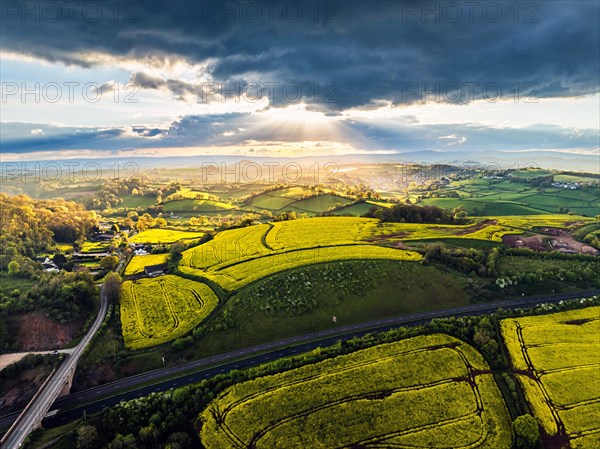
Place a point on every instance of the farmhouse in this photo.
(155, 270)
(50, 266)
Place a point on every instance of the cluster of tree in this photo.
(577, 270)
(111, 193)
(198, 196)
(66, 296)
(539, 181)
(179, 247)
(537, 278)
(242, 221)
(288, 215)
(30, 361)
(442, 194)
(146, 221)
(412, 213)
(360, 191)
(464, 260)
(112, 287)
(593, 239)
(549, 255)
(29, 226)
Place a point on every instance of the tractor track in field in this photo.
(220, 416)
(561, 438)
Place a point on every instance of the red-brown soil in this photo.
(535, 242)
(552, 239)
(37, 332)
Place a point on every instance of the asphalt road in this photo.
(93, 400)
(38, 409)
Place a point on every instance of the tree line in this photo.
(413, 213)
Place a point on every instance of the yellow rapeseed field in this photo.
(557, 358)
(427, 391)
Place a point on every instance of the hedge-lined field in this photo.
(493, 197)
(158, 310)
(237, 257)
(94, 247)
(557, 356)
(240, 256)
(137, 263)
(324, 230)
(428, 391)
(236, 275)
(196, 206)
(154, 236)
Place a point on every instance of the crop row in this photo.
(237, 257)
(240, 273)
(556, 357)
(158, 310)
(413, 390)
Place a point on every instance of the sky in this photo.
(299, 78)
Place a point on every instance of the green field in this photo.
(297, 199)
(196, 207)
(156, 236)
(135, 201)
(8, 284)
(573, 178)
(557, 360)
(272, 203)
(478, 207)
(188, 193)
(529, 174)
(158, 310)
(303, 300)
(502, 197)
(429, 391)
(361, 208)
(137, 263)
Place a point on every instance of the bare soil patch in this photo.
(535, 242)
(557, 240)
(37, 332)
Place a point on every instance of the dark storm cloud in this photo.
(369, 51)
(17, 138)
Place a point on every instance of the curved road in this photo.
(35, 412)
(72, 407)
